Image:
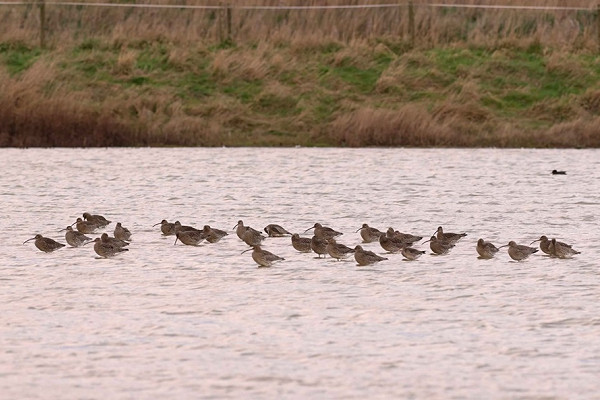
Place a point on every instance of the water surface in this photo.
(204, 322)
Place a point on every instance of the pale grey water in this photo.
(164, 321)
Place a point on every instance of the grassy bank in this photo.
(370, 92)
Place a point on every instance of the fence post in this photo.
(228, 21)
(411, 23)
(42, 5)
(220, 22)
(598, 23)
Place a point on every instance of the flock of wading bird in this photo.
(323, 241)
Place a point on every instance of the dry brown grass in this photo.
(250, 64)
(579, 133)
(591, 101)
(407, 126)
(434, 25)
(34, 114)
(294, 63)
(125, 62)
(562, 62)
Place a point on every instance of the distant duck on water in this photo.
(555, 172)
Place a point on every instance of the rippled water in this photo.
(165, 321)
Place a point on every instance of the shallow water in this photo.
(205, 322)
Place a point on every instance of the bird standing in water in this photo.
(486, 249)
(167, 228)
(519, 252)
(411, 254)
(562, 250)
(75, 238)
(369, 234)
(121, 232)
(45, 244)
(438, 246)
(262, 257)
(301, 244)
(452, 238)
(105, 248)
(96, 219)
(366, 257)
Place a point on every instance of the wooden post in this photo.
(228, 21)
(598, 23)
(401, 19)
(42, 5)
(220, 22)
(411, 23)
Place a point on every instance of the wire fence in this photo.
(223, 25)
(308, 7)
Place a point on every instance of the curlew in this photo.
(240, 229)
(411, 254)
(546, 244)
(45, 244)
(366, 257)
(113, 241)
(319, 246)
(405, 238)
(213, 235)
(262, 257)
(485, 249)
(85, 226)
(337, 250)
(96, 219)
(448, 236)
(324, 232)
(301, 244)
(562, 250)
(439, 247)
(369, 234)
(106, 249)
(391, 244)
(167, 228)
(121, 232)
(183, 228)
(519, 252)
(75, 238)
(252, 237)
(190, 238)
(274, 230)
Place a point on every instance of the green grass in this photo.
(244, 91)
(138, 80)
(453, 62)
(325, 106)
(276, 105)
(362, 80)
(523, 87)
(17, 57)
(153, 60)
(194, 86)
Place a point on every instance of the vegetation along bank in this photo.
(156, 89)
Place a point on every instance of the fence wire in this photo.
(313, 7)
